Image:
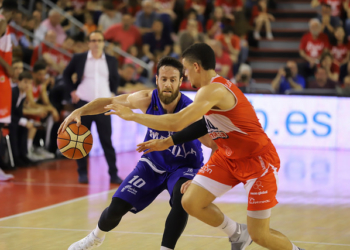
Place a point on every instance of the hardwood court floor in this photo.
(314, 207)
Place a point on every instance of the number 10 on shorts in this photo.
(137, 182)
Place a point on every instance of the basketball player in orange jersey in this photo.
(6, 12)
(245, 152)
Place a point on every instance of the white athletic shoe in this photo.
(43, 152)
(5, 177)
(241, 238)
(33, 156)
(89, 242)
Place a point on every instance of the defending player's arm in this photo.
(139, 100)
(192, 132)
(206, 98)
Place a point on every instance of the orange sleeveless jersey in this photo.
(5, 84)
(237, 131)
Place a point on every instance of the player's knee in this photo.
(118, 208)
(258, 237)
(188, 205)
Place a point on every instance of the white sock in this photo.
(165, 248)
(295, 247)
(228, 226)
(29, 143)
(99, 233)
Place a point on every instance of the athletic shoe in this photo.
(256, 35)
(269, 36)
(241, 238)
(5, 177)
(83, 179)
(89, 242)
(46, 154)
(33, 156)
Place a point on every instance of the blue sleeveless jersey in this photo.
(188, 154)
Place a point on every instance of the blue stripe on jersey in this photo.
(188, 154)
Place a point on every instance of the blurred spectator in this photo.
(321, 80)
(156, 40)
(127, 82)
(243, 78)
(191, 15)
(165, 7)
(328, 21)
(139, 70)
(27, 41)
(39, 106)
(345, 90)
(15, 34)
(331, 68)
(124, 33)
(37, 19)
(340, 47)
(80, 44)
(288, 78)
(230, 6)
(215, 23)
(146, 17)
(109, 17)
(134, 6)
(346, 5)
(260, 17)
(89, 25)
(344, 71)
(188, 37)
(17, 66)
(336, 5)
(223, 62)
(198, 5)
(19, 124)
(53, 22)
(312, 45)
(230, 42)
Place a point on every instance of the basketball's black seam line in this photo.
(73, 141)
(75, 144)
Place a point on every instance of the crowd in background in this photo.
(149, 30)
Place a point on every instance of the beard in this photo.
(168, 99)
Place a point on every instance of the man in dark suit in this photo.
(97, 77)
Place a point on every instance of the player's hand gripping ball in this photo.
(75, 142)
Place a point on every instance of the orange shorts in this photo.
(259, 175)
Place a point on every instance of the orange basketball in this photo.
(75, 142)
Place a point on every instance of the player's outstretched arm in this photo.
(206, 98)
(138, 100)
(192, 132)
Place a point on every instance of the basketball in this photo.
(75, 142)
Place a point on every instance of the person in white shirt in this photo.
(97, 77)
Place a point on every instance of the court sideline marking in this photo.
(145, 233)
(122, 232)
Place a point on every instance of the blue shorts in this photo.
(143, 185)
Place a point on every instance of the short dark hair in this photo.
(108, 5)
(202, 54)
(16, 60)
(9, 5)
(172, 62)
(39, 66)
(228, 29)
(98, 32)
(25, 75)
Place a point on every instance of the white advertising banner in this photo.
(292, 121)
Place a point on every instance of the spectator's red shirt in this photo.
(57, 56)
(224, 60)
(314, 47)
(337, 6)
(126, 38)
(229, 5)
(17, 33)
(183, 25)
(339, 52)
(334, 68)
(235, 42)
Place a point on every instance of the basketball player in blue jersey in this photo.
(157, 171)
